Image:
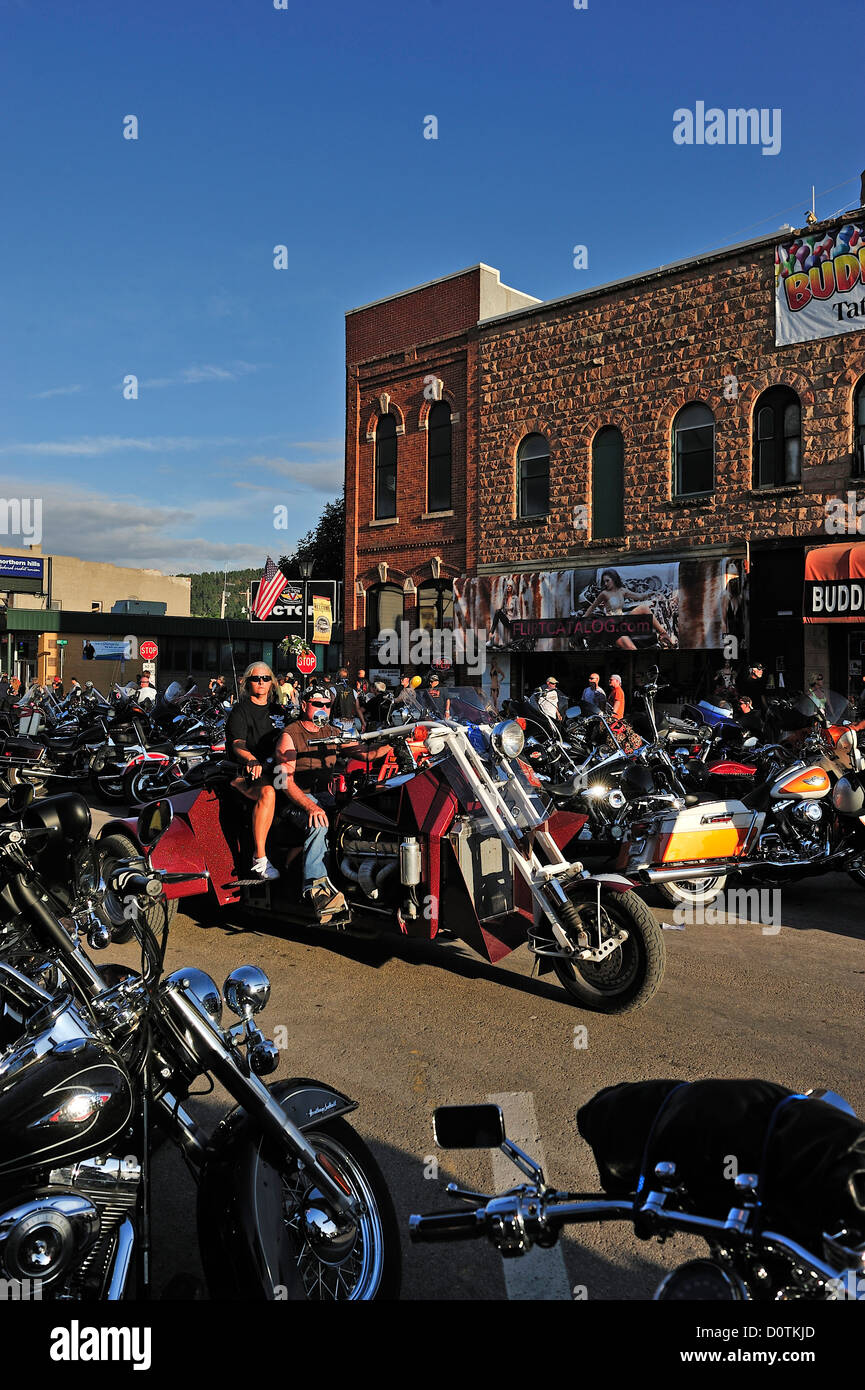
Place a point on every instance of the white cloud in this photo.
(56, 391)
(323, 475)
(91, 446)
(194, 376)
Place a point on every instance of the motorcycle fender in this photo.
(148, 758)
(247, 1251)
(616, 882)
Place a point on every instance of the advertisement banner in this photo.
(692, 604)
(835, 584)
(322, 623)
(24, 574)
(115, 650)
(820, 285)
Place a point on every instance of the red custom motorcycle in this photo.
(467, 840)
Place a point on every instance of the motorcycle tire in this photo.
(142, 784)
(372, 1269)
(16, 776)
(108, 786)
(696, 892)
(629, 976)
(110, 907)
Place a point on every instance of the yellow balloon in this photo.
(416, 681)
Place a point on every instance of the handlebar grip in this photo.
(447, 1225)
(140, 885)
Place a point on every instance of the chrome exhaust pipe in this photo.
(737, 866)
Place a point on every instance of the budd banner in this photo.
(835, 584)
(690, 604)
(322, 614)
(820, 285)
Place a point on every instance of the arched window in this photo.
(439, 458)
(384, 612)
(533, 476)
(435, 606)
(385, 467)
(608, 484)
(777, 438)
(859, 429)
(693, 451)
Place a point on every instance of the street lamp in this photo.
(305, 567)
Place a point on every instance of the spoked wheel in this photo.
(18, 776)
(693, 892)
(628, 977)
(362, 1263)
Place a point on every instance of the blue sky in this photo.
(304, 127)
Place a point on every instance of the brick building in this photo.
(656, 428)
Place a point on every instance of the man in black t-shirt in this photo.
(250, 739)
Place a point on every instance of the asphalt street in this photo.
(404, 1027)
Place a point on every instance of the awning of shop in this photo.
(835, 583)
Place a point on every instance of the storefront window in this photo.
(608, 486)
(694, 451)
(385, 609)
(436, 607)
(533, 476)
(777, 438)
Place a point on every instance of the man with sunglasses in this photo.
(301, 771)
(250, 737)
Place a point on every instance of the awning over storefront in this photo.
(835, 583)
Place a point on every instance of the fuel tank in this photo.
(63, 1094)
(803, 783)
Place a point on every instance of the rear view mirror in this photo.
(653, 673)
(154, 821)
(469, 1126)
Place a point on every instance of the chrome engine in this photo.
(73, 1238)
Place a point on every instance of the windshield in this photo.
(832, 705)
(462, 703)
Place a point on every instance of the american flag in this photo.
(272, 583)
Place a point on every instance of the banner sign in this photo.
(820, 285)
(115, 650)
(692, 604)
(322, 624)
(835, 584)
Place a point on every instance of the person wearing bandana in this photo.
(303, 771)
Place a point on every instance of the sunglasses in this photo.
(259, 678)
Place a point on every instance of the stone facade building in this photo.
(657, 421)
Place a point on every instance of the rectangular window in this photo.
(534, 487)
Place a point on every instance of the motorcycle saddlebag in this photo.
(809, 1156)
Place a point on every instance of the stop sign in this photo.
(306, 663)
(148, 651)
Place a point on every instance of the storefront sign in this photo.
(820, 285)
(21, 574)
(697, 605)
(835, 584)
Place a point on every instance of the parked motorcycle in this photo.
(464, 840)
(291, 1204)
(790, 1224)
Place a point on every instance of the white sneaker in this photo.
(262, 868)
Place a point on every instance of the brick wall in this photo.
(632, 358)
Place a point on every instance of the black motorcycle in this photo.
(784, 1219)
(97, 1061)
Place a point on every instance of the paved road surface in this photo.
(403, 1029)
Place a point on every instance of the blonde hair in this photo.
(253, 665)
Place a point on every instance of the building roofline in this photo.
(440, 280)
(722, 253)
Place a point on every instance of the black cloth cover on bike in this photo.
(809, 1155)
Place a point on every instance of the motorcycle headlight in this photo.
(616, 800)
(201, 989)
(508, 739)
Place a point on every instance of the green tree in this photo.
(324, 545)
